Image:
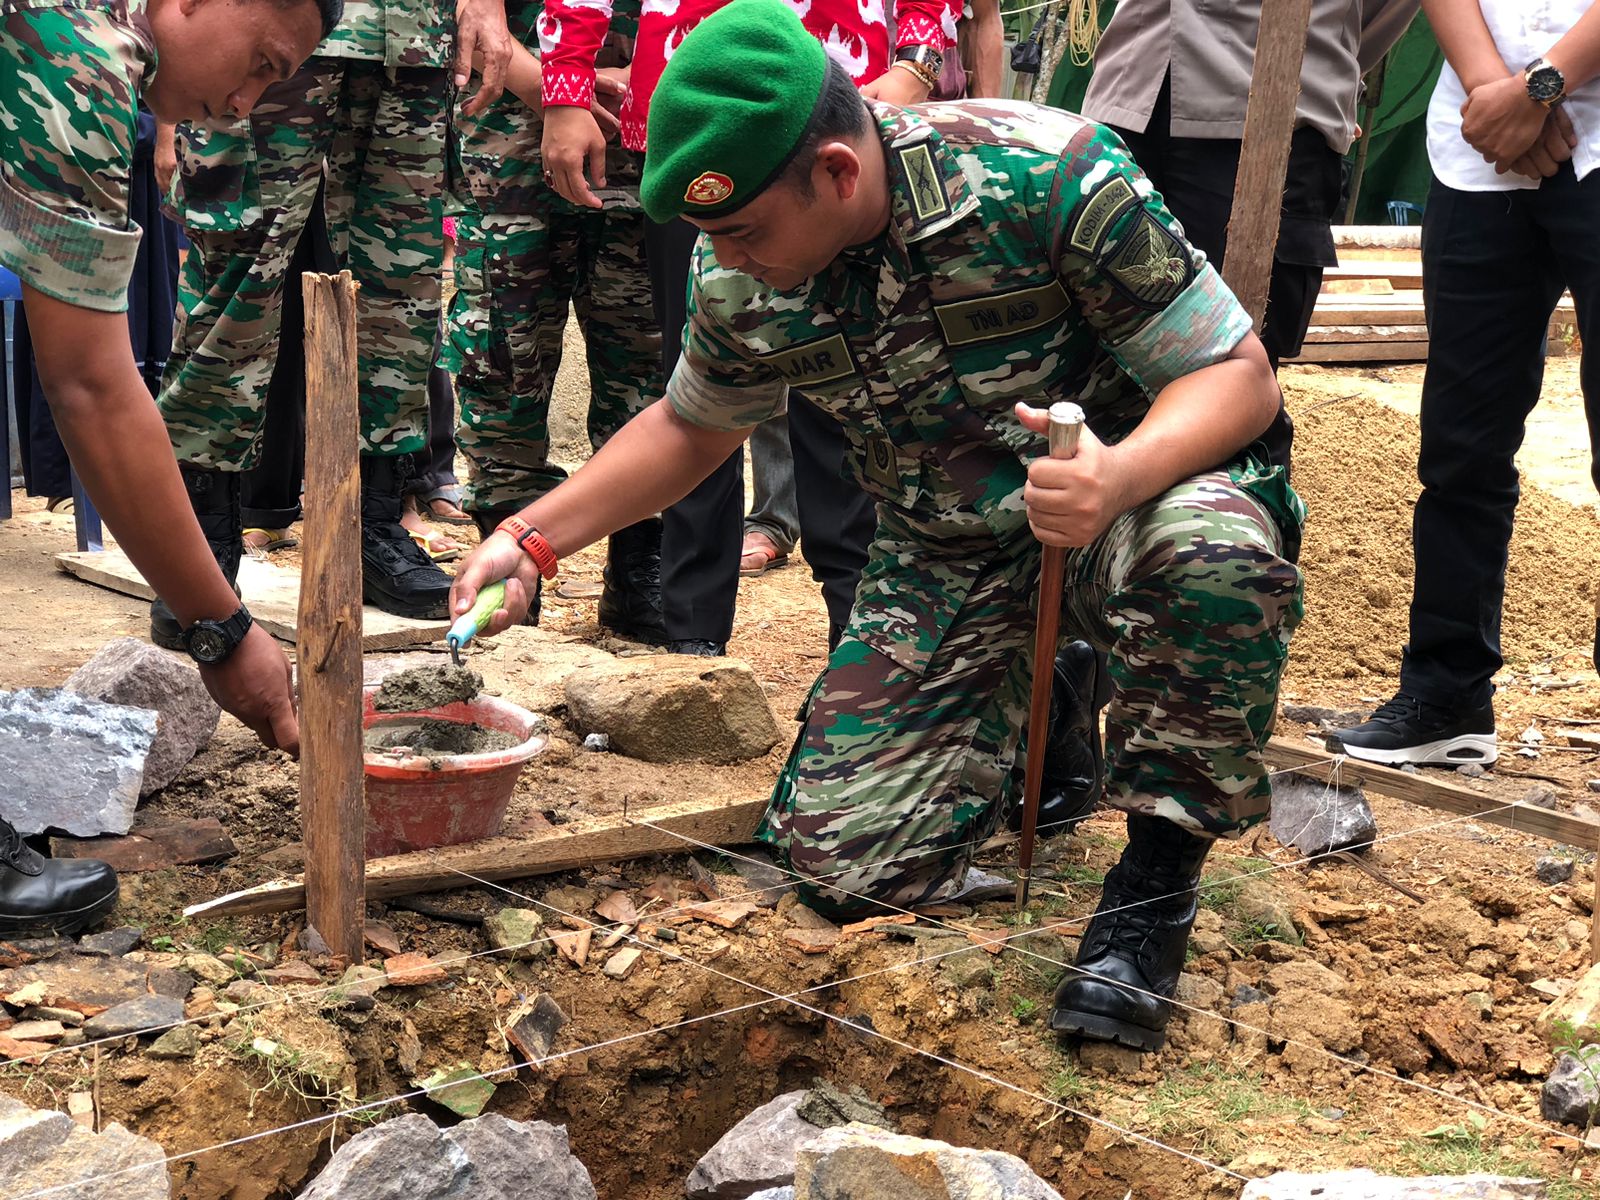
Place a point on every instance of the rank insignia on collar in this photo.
(924, 185)
(709, 187)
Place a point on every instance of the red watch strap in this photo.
(532, 541)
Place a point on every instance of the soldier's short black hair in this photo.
(840, 113)
(329, 10)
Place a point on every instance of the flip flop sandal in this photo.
(265, 541)
(451, 499)
(765, 557)
(445, 551)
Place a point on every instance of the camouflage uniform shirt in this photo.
(71, 72)
(1026, 259)
(397, 33)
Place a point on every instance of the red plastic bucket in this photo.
(417, 803)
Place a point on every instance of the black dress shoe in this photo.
(396, 574)
(40, 896)
(1133, 951)
(698, 646)
(630, 602)
(1074, 760)
(214, 497)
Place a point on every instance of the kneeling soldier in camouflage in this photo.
(935, 277)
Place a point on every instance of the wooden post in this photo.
(1264, 154)
(332, 805)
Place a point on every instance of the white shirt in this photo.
(1523, 30)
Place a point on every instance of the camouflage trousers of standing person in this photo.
(898, 775)
(243, 196)
(515, 278)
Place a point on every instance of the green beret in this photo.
(731, 108)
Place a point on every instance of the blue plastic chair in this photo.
(1401, 212)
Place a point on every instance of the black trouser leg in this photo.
(1490, 280)
(837, 518)
(701, 534)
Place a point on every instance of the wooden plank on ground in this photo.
(718, 822)
(1401, 275)
(1356, 287)
(271, 592)
(1435, 789)
(1372, 335)
(1361, 352)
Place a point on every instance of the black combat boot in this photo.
(396, 574)
(630, 604)
(700, 647)
(214, 496)
(1074, 761)
(487, 520)
(1137, 938)
(40, 896)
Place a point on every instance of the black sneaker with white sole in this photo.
(1408, 730)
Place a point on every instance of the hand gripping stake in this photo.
(1066, 422)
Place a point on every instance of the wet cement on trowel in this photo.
(421, 688)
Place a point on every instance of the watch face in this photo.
(1545, 84)
(207, 644)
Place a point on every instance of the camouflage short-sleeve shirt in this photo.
(71, 72)
(1026, 259)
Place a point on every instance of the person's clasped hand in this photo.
(1514, 132)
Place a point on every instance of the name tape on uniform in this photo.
(999, 316)
(821, 360)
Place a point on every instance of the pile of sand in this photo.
(1355, 465)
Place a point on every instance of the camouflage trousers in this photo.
(515, 278)
(897, 776)
(243, 196)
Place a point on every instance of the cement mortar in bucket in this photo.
(415, 802)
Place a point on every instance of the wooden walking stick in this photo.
(1066, 422)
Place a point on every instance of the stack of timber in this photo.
(1370, 306)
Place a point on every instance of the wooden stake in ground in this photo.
(1264, 154)
(332, 807)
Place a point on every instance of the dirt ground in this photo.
(1350, 1035)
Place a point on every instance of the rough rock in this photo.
(49, 1150)
(182, 1041)
(462, 1090)
(1304, 1015)
(134, 673)
(826, 1106)
(1317, 818)
(1453, 924)
(765, 883)
(660, 708)
(1456, 1031)
(781, 1193)
(756, 1154)
(1260, 902)
(489, 1158)
(1578, 1006)
(855, 1161)
(83, 983)
(146, 1014)
(518, 931)
(1328, 718)
(1305, 975)
(71, 763)
(1571, 1096)
(532, 1028)
(1366, 1185)
(620, 965)
(113, 943)
(1553, 869)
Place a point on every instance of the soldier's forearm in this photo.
(119, 448)
(1199, 421)
(652, 462)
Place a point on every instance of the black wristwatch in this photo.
(1545, 83)
(210, 642)
(926, 57)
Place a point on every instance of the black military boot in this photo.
(630, 604)
(214, 496)
(396, 574)
(1074, 760)
(1132, 953)
(487, 520)
(40, 896)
